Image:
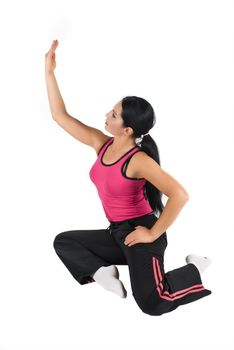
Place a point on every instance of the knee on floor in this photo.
(58, 238)
(149, 309)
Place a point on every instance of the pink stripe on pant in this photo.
(171, 296)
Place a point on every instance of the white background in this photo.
(179, 56)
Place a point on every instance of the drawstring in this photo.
(109, 229)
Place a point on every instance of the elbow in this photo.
(182, 195)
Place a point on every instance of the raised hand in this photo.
(50, 62)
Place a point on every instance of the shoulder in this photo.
(101, 143)
(140, 156)
(140, 160)
(145, 166)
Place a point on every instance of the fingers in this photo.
(54, 45)
(55, 42)
(52, 48)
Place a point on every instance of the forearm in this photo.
(170, 212)
(56, 103)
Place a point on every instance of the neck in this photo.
(120, 144)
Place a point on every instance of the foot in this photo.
(201, 262)
(108, 278)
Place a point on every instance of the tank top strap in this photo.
(129, 154)
(104, 146)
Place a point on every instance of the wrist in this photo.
(153, 234)
(48, 73)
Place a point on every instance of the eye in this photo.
(113, 115)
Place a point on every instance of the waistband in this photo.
(117, 223)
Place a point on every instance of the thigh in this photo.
(149, 221)
(156, 247)
(141, 256)
(100, 242)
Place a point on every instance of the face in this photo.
(114, 121)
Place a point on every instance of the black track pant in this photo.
(84, 251)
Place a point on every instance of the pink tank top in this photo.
(122, 197)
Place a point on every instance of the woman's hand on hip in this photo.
(141, 234)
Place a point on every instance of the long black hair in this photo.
(138, 114)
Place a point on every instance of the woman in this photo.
(130, 183)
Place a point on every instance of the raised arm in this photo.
(82, 132)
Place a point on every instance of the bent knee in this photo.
(149, 308)
(58, 238)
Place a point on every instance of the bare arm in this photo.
(57, 106)
(82, 132)
(149, 169)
